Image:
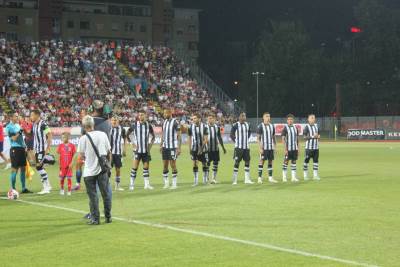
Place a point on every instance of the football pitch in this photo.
(349, 218)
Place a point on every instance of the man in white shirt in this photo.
(92, 173)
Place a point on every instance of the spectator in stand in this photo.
(61, 78)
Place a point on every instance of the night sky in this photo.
(229, 28)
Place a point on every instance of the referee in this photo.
(17, 151)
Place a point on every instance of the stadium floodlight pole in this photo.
(257, 75)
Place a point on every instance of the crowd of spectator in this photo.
(62, 78)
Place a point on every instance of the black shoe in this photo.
(93, 222)
(108, 220)
(26, 191)
(87, 216)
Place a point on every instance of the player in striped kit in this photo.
(311, 134)
(170, 148)
(42, 139)
(117, 138)
(240, 134)
(266, 142)
(290, 139)
(143, 140)
(214, 138)
(198, 140)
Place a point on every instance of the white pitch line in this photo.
(214, 236)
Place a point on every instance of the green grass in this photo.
(352, 213)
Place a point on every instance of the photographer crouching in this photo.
(94, 147)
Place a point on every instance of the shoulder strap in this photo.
(93, 146)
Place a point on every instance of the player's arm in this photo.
(124, 137)
(152, 137)
(220, 140)
(189, 142)
(233, 130)
(73, 157)
(273, 134)
(260, 144)
(162, 141)
(128, 134)
(306, 134)
(284, 133)
(49, 137)
(179, 135)
(205, 138)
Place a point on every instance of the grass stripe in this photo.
(210, 235)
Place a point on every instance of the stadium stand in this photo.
(61, 78)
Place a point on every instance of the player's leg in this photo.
(174, 174)
(5, 159)
(205, 168)
(284, 168)
(294, 169)
(146, 174)
(316, 165)
(78, 172)
(166, 173)
(195, 172)
(246, 158)
(237, 156)
(270, 172)
(260, 168)
(305, 164)
(62, 180)
(43, 174)
(134, 169)
(165, 157)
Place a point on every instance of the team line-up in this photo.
(204, 141)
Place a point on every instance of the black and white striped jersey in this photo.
(141, 136)
(267, 135)
(117, 136)
(40, 130)
(292, 134)
(170, 130)
(309, 131)
(241, 134)
(214, 134)
(197, 134)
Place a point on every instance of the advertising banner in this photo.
(365, 134)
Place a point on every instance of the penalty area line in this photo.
(209, 235)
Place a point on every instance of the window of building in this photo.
(84, 25)
(12, 20)
(192, 28)
(179, 32)
(99, 26)
(55, 24)
(143, 28)
(13, 36)
(127, 11)
(114, 10)
(192, 46)
(130, 27)
(98, 11)
(70, 24)
(114, 26)
(28, 21)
